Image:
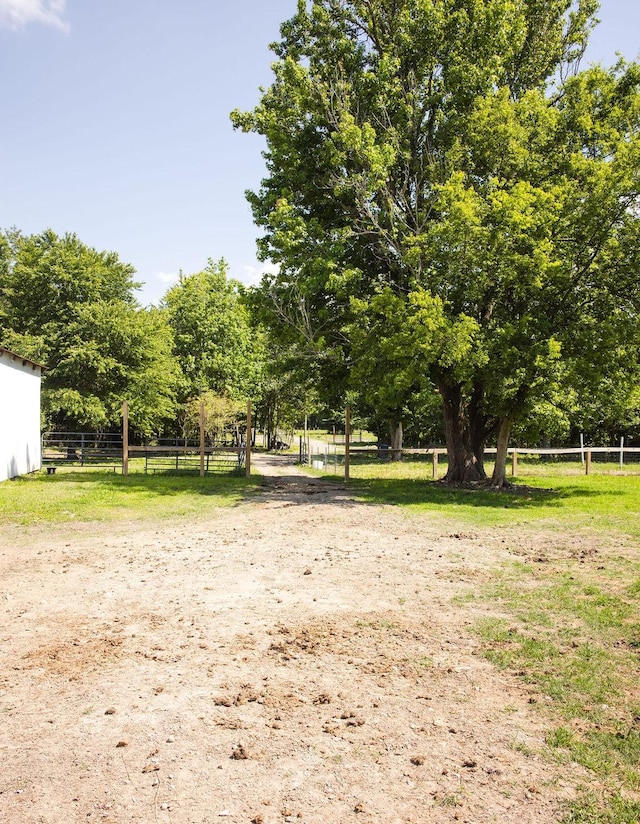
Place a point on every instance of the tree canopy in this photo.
(214, 342)
(73, 308)
(444, 183)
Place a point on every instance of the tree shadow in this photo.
(297, 489)
(408, 492)
(160, 484)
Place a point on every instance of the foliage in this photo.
(213, 340)
(285, 399)
(220, 413)
(48, 277)
(73, 308)
(391, 338)
(419, 153)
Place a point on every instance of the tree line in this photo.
(74, 309)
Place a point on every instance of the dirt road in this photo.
(296, 658)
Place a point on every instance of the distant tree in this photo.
(109, 353)
(73, 308)
(451, 156)
(214, 342)
(49, 277)
(221, 415)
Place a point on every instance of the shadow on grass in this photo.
(408, 492)
(222, 484)
(396, 491)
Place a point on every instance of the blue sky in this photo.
(116, 123)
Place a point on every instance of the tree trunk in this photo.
(499, 477)
(464, 445)
(477, 422)
(395, 440)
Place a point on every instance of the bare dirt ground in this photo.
(297, 658)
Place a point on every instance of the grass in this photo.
(560, 495)
(107, 496)
(572, 632)
(568, 627)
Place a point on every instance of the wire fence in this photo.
(184, 456)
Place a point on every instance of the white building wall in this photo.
(20, 450)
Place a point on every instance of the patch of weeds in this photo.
(360, 624)
(633, 590)
(522, 748)
(509, 648)
(381, 623)
(604, 752)
(572, 635)
(447, 800)
(614, 809)
(385, 623)
(493, 629)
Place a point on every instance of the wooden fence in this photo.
(318, 454)
(167, 457)
(113, 450)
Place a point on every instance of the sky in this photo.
(116, 124)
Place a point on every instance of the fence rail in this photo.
(326, 456)
(190, 459)
(105, 451)
(84, 449)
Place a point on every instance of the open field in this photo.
(184, 650)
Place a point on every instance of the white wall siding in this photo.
(20, 450)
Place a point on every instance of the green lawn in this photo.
(106, 496)
(553, 496)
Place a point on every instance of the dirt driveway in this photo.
(296, 658)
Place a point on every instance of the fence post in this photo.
(347, 438)
(514, 462)
(588, 462)
(435, 464)
(621, 451)
(125, 438)
(247, 454)
(305, 435)
(201, 422)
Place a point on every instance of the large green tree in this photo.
(214, 343)
(73, 308)
(447, 159)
